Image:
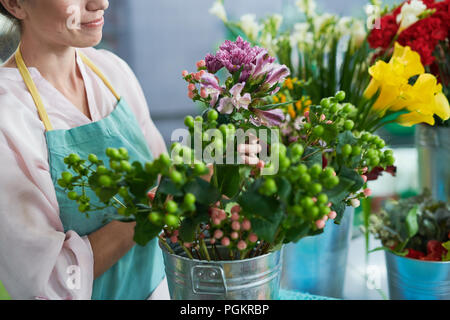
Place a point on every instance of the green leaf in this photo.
(167, 187)
(228, 179)
(312, 156)
(187, 230)
(145, 231)
(412, 225)
(284, 188)
(274, 106)
(339, 207)
(264, 228)
(295, 234)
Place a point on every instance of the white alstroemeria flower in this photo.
(322, 21)
(278, 20)
(301, 36)
(344, 26)
(269, 43)
(410, 13)
(358, 32)
(373, 12)
(250, 26)
(219, 10)
(308, 7)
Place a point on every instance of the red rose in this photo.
(435, 250)
(382, 37)
(414, 254)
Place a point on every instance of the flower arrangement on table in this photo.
(287, 194)
(424, 26)
(416, 227)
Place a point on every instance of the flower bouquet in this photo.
(415, 232)
(219, 204)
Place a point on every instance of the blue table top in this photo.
(294, 295)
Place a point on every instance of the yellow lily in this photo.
(423, 99)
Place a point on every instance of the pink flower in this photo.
(184, 73)
(364, 177)
(242, 245)
(191, 87)
(234, 235)
(191, 94)
(227, 105)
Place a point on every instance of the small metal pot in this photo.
(412, 279)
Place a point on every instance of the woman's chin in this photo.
(86, 41)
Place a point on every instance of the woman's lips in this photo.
(94, 24)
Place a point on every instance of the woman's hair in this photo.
(9, 36)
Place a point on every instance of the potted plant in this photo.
(222, 223)
(424, 27)
(415, 232)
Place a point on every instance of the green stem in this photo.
(164, 242)
(188, 253)
(205, 249)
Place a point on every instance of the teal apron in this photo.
(139, 272)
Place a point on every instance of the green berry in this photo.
(123, 153)
(176, 177)
(375, 161)
(172, 221)
(284, 163)
(200, 169)
(305, 178)
(270, 186)
(125, 166)
(189, 199)
(322, 198)
(105, 181)
(314, 213)
(155, 218)
(83, 207)
(164, 159)
(315, 188)
(171, 206)
(356, 151)
(307, 203)
(346, 150)
(297, 150)
(348, 108)
(74, 158)
(122, 211)
(315, 170)
(340, 96)
(123, 192)
(318, 131)
(189, 122)
(72, 195)
(331, 182)
(67, 177)
(302, 169)
(102, 170)
(213, 115)
(199, 119)
(112, 153)
(324, 210)
(334, 108)
(328, 172)
(297, 210)
(93, 158)
(388, 152)
(366, 137)
(390, 160)
(307, 126)
(349, 124)
(325, 102)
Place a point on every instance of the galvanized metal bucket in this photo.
(251, 279)
(433, 147)
(412, 279)
(317, 265)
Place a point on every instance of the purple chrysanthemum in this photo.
(212, 63)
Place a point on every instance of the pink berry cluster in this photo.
(195, 78)
(233, 230)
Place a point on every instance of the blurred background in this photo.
(160, 38)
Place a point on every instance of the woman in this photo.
(56, 100)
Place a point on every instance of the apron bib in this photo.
(137, 274)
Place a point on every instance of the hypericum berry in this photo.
(125, 166)
(174, 239)
(390, 160)
(242, 245)
(93, 158)
(307, 203)
(355, 203)
(367, 192)
(320, 224)
(340, 96)
(246, 225)
(356, 150)
(73, 158)
(332, 215)
(297, 150)
(315, 188)
(322, 198)
(331, 182)
(315, 170)
(155, 218)
(102, 170)
(225, 241)
(236, 226)
(252, 238)
(189, 199)
(105, 181)
(189, 122)
(213, 115)
(349, 124)
(172, 221)
(235, 216)
(218, 234)
(234, 235)
(171, 206)
(67, 177)
(318, 131)
(348, 108)
(176, 176)
(297, 210)
(200, 169)
(325, 102)
(164, 159)
(346, 150)
(72, 195)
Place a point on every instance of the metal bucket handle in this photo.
(201, 271)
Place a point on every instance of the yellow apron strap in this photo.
(33, 90)
(94, 68)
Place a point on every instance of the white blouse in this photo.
(35, 253)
